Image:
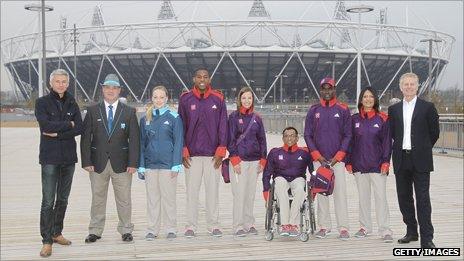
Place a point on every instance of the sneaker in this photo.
(387, 239)
(216, 233)
(322, 233)
(171, 235)
(285, 230)
(252, 231)
(361, 233)
(240, 233)
(150, 237)
(293, 230)
(189, 233)
(344, 235)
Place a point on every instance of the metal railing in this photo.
(451, 132)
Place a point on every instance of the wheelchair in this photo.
(307, 224)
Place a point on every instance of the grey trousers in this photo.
(202, 169)
(161, 200)
(244, 191)
(122, 192)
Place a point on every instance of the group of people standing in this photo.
(196, 138)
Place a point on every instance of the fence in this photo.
(451, 132)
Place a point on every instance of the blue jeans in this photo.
(56, 183)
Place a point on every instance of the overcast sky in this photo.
(444, 16)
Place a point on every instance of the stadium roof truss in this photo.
(303, 48)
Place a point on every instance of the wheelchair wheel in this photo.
(269, 235)
(312, 213)
(304, 237)
(270, 210)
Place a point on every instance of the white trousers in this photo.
(244, 191)
(161, 200)
(340, 201)
(202, 168)
(290, 215)
(378, 182)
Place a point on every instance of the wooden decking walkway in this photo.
(21, 197)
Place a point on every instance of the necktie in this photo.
(110, 118)
(157, 112)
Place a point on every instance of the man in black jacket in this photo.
(415, 129)
(60, 121)
(110, 148)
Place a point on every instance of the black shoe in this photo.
(406, 239)
(127, 237)
(429, 244)
(91, 238)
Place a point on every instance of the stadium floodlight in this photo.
(359, 9)
(41, 8)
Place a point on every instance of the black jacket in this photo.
(54, 116)
(121, 146)
(425, 131)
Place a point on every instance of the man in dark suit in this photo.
(415, 129)
(110, 150)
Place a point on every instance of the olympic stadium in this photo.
(282, 60)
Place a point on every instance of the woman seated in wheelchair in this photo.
(287, 166)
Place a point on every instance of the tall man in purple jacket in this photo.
(204, 115)
(287, 166)
(328, 135)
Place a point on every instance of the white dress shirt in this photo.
(408, 109)
(115, 106)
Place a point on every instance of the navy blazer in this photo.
(425, 131)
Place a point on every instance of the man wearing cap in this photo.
(328, 135)
(110, 150)
(60, 121)
(204, 115)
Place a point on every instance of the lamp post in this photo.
(430, 41)
(359, 9)
(333, 63)
(42, 8)
(281, 76)
(75, 41)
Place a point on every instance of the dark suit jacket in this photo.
(425, 131)
(121, 146)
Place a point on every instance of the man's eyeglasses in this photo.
(290, 135)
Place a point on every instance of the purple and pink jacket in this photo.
(287, 162)
(328, 130)
(253, 146)
(371, 144)
(204, 117)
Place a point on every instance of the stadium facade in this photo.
(282, 60)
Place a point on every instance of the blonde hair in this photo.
(409, 75)
(150, 107)
(239, 96)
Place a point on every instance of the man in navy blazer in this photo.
(415, 129)
(110, 148)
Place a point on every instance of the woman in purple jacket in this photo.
(369, 161)
(247, 153)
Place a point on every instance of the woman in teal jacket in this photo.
(161, 142)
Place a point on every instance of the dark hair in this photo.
(241, 92)
(376, 98)
(200, 69)
(290, 128)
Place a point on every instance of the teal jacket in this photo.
(161, 141)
